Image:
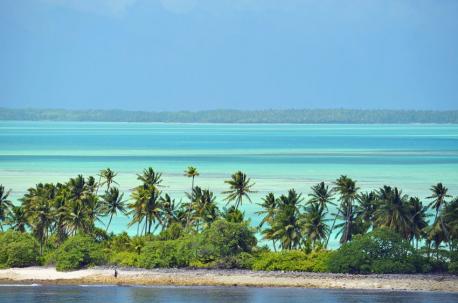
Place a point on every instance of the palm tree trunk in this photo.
(111, 217)
(330, 231)
(98, 185)
(149, 225)
(447, 238)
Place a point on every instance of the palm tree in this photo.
(5, 205)
(146, 206)
(240, 187)
(436, 235)
(286, 225)
(348, 191)
(269, 205)
(418, 215)
(367, 205)
(150, 177)
(321, 195)
(450, 218)
(348, 227)
(76, 218)
(393, 211)
(60, 213)
(77, 187)
(169, 211)
(203, 206)
(137, 208)
(17, 219)
(112, 202)
(191, 172)
(93, 209)
(91, 185)
(108, 177)
(439, 194)
(40, 219)
(314, 226)
(233, 215)
(37, 204)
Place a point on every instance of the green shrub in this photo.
(453, 267)
(18, 250)
(124, 258)
(78, 252)
(173, 232)
(169, 253)
(392, 266)
(241, 261)
(49, 257)
(380, 251)
(223, 239)
(293, 260)
(119, 243)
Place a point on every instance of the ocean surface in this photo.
(276, 157)
(114, 294)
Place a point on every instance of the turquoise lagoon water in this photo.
(277, 157)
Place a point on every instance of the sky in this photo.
(174, 55)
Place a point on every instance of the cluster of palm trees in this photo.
(292, 223)
(64, 209)
(289, 221)
(152, 209)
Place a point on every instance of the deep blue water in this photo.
(115, 294)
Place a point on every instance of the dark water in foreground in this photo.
(114, 294)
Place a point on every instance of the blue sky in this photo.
(242, 54)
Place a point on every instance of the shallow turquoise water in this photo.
(277, 157)
(114, 294)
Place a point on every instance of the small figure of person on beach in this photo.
(115, 273)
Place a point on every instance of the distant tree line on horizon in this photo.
(379, 231)
(297, 116)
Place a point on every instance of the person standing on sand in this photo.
(115, 273)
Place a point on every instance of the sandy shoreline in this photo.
(189, 277)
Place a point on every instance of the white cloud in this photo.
(103, 7)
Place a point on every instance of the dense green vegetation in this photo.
(236, 116)
(381, 231)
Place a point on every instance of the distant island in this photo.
(298, 116)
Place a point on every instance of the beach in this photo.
(203, 277)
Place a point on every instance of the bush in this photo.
(392, 266)
(119, 243)
(241, 261)
(293, 260)
(124, 258)
(169, 253)
(453, 267)
(173, 232)
(79, 252)
(380, 251)
(223, 239)
(18, 250)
